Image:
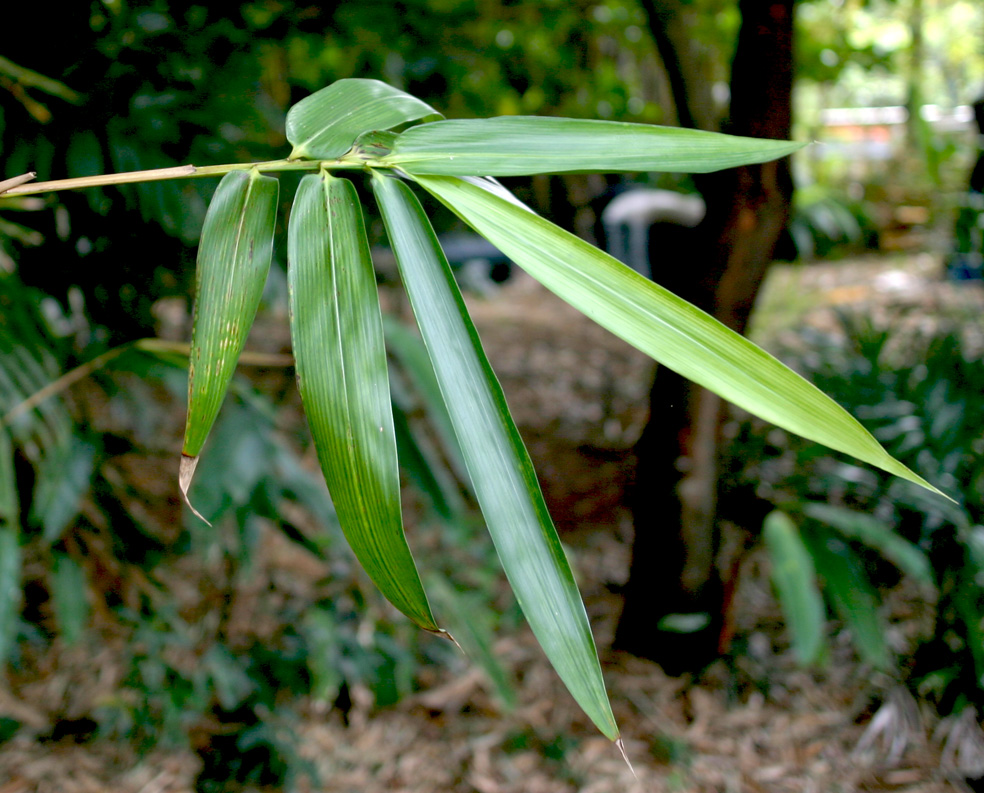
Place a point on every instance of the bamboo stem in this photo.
(17, 186)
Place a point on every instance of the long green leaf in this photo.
(499, 467)
(524, 145)
(795, 579)
(664, 326)
(68, 588)
(873, 533)
(325, 125)
(10, 555)
(233, 262)
(340, 355)
(10, 589)
(852, 594)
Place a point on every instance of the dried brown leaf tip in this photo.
(186, 471)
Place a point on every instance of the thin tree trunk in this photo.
(675, 594)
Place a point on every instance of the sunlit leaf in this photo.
(524, 145)
(795, 579)
(337, 334)
(664, 326)
(326, 124)
(233, 262)
(499, 467)
(852, 594)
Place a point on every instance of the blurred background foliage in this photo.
(217, 641)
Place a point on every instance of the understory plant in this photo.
(399, 145)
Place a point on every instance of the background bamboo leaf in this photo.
(233, 262)
(795, 580)
(873, 533)
(501, 473)
(340, 355)
(852, 594)
(10, 558)
(326, 124)
(664, 326)
(68, 595)
(525, 145)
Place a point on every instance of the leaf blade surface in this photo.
(233, 262)
(337, 334)
(660, 324)
(502, 475)
(526, 145)
(325, 124)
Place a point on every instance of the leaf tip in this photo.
(625, 756)
(186, 471)
(447, 635)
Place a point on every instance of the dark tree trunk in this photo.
(675, 503)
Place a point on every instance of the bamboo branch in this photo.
(17, 186)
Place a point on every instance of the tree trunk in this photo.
(675, 597)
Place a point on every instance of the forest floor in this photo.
(756, 722)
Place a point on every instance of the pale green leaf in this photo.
(233, 262)
(873, 533)
(324, 126)
(337, 335)
(524, 145)
(664, 326)
(502, 476)
(795, 580)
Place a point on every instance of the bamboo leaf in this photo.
(664, 326)
(873, 533)
(68, 588)
(499, 467)
(852, 595)
(795, 580)
(340, 356)
(233, 262)
(10, 554)
(524, 145)
(324, 126)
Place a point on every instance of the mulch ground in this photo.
(755, 723)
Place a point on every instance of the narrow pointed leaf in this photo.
(873, 533)
(337, 334)
(233, 262)
(852, 594)
(326, 124)
(502, 475)
(10, 555)
(662, 325)
(795, 580)
(524, 145)
(68, 588)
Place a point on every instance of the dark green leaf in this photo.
(325, 125)
(233, 262)
(502, 476)
(340, 356)
(68, 594)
